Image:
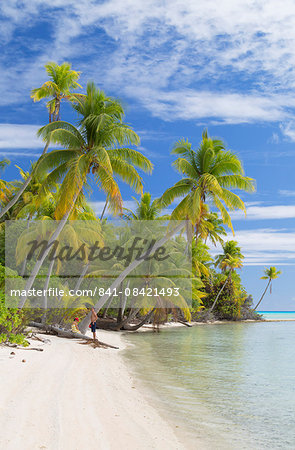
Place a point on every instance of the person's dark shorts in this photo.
(93, 327)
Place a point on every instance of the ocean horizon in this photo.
(278, 315)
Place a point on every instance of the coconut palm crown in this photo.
(98, 146)
(209, 174)
(231, 253)
(146, 209)
(62, 80)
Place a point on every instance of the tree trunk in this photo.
(120, 309)
(265, 290)
(66, 333)
(107, 307)
(131, 315)
(102, 301)
(81, 277)
(39, 263)
(56, 110)
(124, 300)
(46, 284)
(140, 324)
(23, 188)
(218, 295)
(104, 208)
(23, 269)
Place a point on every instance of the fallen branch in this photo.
(67, 334)
(37, 338)
(187, 324)
(32, 348)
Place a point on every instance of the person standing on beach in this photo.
(93, 323)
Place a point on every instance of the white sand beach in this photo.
(71, 396)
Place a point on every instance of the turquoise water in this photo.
(229, 385)
(278, 315)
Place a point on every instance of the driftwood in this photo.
(67, 333)
(31, 348)
(187, 324)
(17, 347)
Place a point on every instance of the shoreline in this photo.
(171, 325)
(85, 397)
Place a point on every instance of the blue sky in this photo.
(177, 67)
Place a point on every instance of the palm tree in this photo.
(146, 209)
(93, 148)
(211, 227)
(230, 260)
(201, 259)
(270, 274)
(63, 79)
(4, 187)
(210, 174)
(230, 250)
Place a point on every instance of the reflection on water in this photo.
(232, 384)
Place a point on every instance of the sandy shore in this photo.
(71, 396)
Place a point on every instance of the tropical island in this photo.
(171, 260)
(100, 148)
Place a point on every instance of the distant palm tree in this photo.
(230, 260)
(211, 227)
(210, 172)
(146, 209)
(230, 250)
(4, 186)
(63, 79)
(270, 274)
(201, 259)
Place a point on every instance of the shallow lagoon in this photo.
(231, 385)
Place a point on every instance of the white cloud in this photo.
(286, 193)
(265, 213)
(228, 107)
(274, 138)
(265, 246)
(11, 155)
(162, 55)
(19, 136)
(288, 129)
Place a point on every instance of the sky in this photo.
(178, 67)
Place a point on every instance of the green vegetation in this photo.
(100, 149)
(12, 321)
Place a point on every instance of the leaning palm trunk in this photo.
(102, 301)
(104, 208)
(219, 293)
(82, 276)
(107, 307)
(40, 262)
(22, 189)
(265, 290)
(140, 324)
(46, 284)
(23, 269)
